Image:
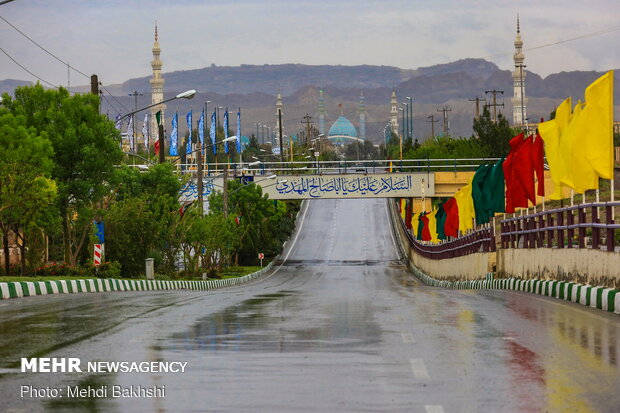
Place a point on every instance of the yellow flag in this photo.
(580, 175)
(432, 226)
(551, 133)
(465, 203)
(414, 224)
(599, 139)
(403, 209)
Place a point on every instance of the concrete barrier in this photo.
(30, 288)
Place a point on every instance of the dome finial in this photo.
(518, 28)
(155, 30)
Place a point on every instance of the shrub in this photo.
(55, 269)
(108, 269)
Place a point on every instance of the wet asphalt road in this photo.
(340, 327)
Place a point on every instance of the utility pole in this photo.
(135, 94)
(445, 111)
(432, 121)
(495, 104)
(307, 122)
(280, 129)
(477, 100)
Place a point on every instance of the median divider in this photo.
(32, 288)
(603, 298)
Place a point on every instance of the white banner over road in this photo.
(396, 185)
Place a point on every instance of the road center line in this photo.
(419, 369)
(407, 338)
(433, 408)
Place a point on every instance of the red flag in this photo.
(426, 232)
(538, 156)
(519, 174)
(451, 226)
(157, 147)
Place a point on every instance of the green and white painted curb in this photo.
(28, 288)
(603, 298)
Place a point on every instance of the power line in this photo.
(114, 97)
(23, 67)
(583, 36)
(44, 49)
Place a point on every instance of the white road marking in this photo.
(433, 408)
(407, 338)
(303, 217)
(419, 369)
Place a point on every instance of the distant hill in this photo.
(9, 85)
(254, 89)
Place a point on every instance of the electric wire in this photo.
(24, 67)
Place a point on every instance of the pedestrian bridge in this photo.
(422, 179)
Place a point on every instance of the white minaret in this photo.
(321, 113)
(394, 112)
(362, 115)
(519, 101)
(157, 87)
(279, 108)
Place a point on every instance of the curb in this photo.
(30, 288)
(607, 299)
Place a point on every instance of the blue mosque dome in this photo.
(341, 131)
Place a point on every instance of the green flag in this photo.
(158, 117)
(493, 189)
(480, 202)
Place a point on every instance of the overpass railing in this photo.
(481, 240)
(312, 166)
(569, 227)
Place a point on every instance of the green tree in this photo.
(26, 191)
(493, 135)
(86, 148)
(143, 217)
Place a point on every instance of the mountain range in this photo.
(254, 89)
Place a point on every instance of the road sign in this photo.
(261, 256)
(316, 154)
(97, 254)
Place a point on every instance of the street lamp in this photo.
(410, 126)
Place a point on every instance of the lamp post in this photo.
(135, 94)
(406, 120)
(401, 136)
(185, 95)
(410, 134)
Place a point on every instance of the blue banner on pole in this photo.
(201, 130)
(212, 133)
(174, 135)
(188, 118)
(239, 131)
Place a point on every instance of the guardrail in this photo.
(482, 240)
(341, 167)
(562, 228)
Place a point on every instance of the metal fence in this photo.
(569, 227)
(340, 167)
(482, 240)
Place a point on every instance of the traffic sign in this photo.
(97, 254)
(261, 256)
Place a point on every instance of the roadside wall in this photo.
(587, 266)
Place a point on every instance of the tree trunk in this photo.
(7, 257)
(22, 251)
(66, 237)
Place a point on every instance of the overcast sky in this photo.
(114, 38)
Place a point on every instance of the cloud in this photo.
(114, 38)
